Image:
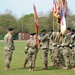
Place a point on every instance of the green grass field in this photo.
(18, 60)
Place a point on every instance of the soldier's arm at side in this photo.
(11, 43)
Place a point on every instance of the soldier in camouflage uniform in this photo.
(51, 41)
(31, 50)
(67, 48)
(55, 51)
(9, 47)
(45, 48)
(72, 59)
(61, 59)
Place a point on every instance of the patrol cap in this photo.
(58, 30)
(10, 29)
(73, 30)
(51, 30)
(32, 34)
(69, 29)
(43, 30)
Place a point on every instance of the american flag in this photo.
(55, 9)
(65, 6)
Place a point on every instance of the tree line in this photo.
(26, 22)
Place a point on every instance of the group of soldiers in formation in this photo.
(61, 47)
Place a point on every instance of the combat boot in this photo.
(73, 69)
(66, 68)
(45, 67)
(7, 68)
(52, 64)
(30, 69)
(24, 66)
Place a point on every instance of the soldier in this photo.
(72, 59)
(26, 51)
(67, 48)
(45, 47)
(31, 50)
(51, 41)
(61, 59)
(56, 51)
(9, 47)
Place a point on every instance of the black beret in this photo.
(73, 30)
(43, 30)
(32, 34)
(58, 30)
(51, 30)
(68, 28)
(10, 29)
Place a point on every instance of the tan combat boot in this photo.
(73, 69)
(66, 68)
(7, 68)
(45, 67)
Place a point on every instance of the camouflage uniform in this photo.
(60, 51)
(45, 47)
(51, 48)
(56, 51)
(67, 50)
(32, 50)
(9, 47)
(72, 58)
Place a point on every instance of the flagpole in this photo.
(58, 27)
(58, 24)
(67, 21)
(53, 24)
(53, 28)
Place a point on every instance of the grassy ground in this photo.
(18, 60)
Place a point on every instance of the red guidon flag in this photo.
(36, 25)
(36, 19)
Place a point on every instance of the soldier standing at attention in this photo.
(73, 50)
(9, 47)
(45, 47)
(57, 42)
(51, 41)
(67, 48)
(32, 49)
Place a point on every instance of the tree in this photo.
(52, 24)
(6, 21)
(70, 21)
(26, 24)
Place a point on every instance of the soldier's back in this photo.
(9, 43)
(31, 43)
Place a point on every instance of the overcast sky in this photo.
(21, 7)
